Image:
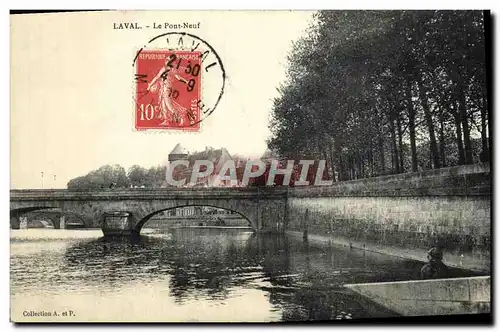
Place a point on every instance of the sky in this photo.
(72, 107)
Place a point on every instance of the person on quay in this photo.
(435, 268)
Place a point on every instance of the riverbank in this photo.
(455, 296)
(214, 227)
(465, 261)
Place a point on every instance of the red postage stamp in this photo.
(167, 89)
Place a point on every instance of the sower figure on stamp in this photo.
(170, 110)
(435, 269)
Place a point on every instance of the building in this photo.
(217, 156)
(188, 211)
(178, 153)
(270, 155)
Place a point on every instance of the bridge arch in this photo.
(18, 212)
(71, 218)
(15, 214)
(39, 215)
(146, 218)
(49, 213)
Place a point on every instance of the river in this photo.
(191, 275)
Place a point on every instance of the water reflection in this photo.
(214, 270)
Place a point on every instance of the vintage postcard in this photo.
(250, 166)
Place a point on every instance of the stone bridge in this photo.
(124, 212)
(402, 215)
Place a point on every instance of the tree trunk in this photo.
(411, 126)
(485, 155)
(357, 162)
(348, 168)
(362, 166)
(430, 126)
(328, 167)
(490, 125)
(351, 169)
(430, 159)
(460, 144)
(400, 138)
(392, 161)
(465, 127)
(332, 162)
(342, 176)
(370, 159)
(395, 160)
(441, 139)
(381, 153)
(355, 166)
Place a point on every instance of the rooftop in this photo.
(178, 149)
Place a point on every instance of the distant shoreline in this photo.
(216, 227)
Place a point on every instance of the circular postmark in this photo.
(179, 80)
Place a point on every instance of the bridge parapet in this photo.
(147, 194)
(466, 180)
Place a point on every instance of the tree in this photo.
(108, 176)
(155, 176)
(367, 87)
(137, 175)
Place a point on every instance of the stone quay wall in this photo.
(403, 214)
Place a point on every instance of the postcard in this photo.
(250, 166)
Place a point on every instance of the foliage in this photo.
(378, 92)
(114, 176)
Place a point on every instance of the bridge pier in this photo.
(23, 222)
(14, 222)
(118, 224)
(62, 222)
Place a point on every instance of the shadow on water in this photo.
(207, 260)
(303, 281)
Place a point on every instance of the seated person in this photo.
(435, 269)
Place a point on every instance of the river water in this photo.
(191, 275)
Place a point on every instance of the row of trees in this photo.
(380, 92)
(115, 176)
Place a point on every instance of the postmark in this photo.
(179, 80)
